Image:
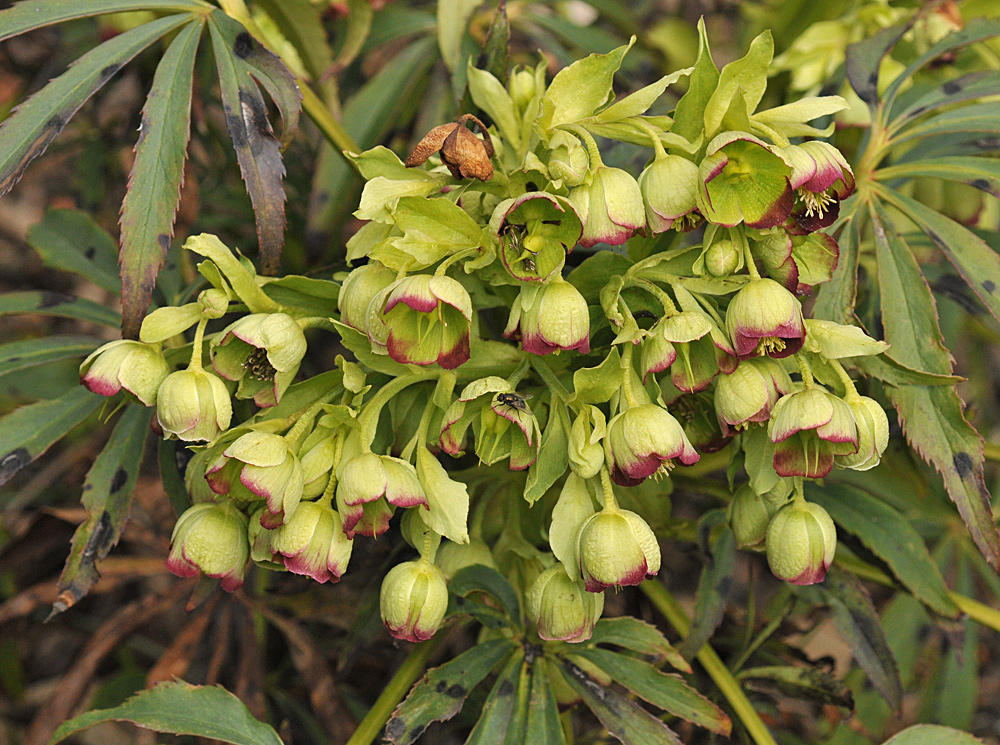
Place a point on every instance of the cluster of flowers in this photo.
(293, 485)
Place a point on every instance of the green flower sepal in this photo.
(808, 429)
(428, 318)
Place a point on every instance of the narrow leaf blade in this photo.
(49, 303)
(32, 14)
(21, 355)
(70, 240)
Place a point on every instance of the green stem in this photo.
(630, 398)
(546, 374)
(593, 151)
(991, 451)
(667, 604)
(411, 669)
(322, 117)
(610, 503)
(852, 392)
(669, 309)
(199, 342)
(806, 370)
(654, 136)
(368, 420)
(751, 267)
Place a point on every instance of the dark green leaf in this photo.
(888, 535)
(543, 726)
(594, 271)
(981, 117)
(70, 240)
(171, 474)
(248, 55)
(957, 685)
(982, 173)
(631, 633)
(20, 355)
(32, 14)
(973, 85)
(359, 24)
(804, 683)
(552, 454)
(183, 709)
(257, 149)
(491, 729)
(107, 496)
(689, 118)
(666, 691)
(978, 29)
(49, 303)
(315, 296)
(865, 57)
(479, 578)
(439, 695)
(835, 299)
(496, 47)
(886, 369)
(621, 717)
(858, 623)
(154, 183)
(932, 734)
(978, 264)
(301, 24)
(29, 431)
(713, 591)
(36, 122)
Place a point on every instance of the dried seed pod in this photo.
(465, 155)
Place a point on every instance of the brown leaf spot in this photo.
(51, 299)
(963, 464)
(243, 46)
(118, 481)
(164, 240)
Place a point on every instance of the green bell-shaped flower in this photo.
(801, 543)
(193, 405)
(413, 600)
(562, 608)
(132, 366)
(211, 539)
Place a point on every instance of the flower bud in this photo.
(522, 88)
(669, 187)
(214, 302)
(722, 258)
(562, 608)
(749, 515)
(357, 291)
(568, 159)
(263, 352)
(452, 557)
(211, 539)
(809, 428)
(611, 207)
(617, 548)
(750, 392)
(138, 368)
(551, 317)
(259, 465)
(586, 453)
(428, 321)
(193, 405)
(765, 319)
(312, 543)
(413, 600)
(801, 542)
(645, 440)
(873, 434)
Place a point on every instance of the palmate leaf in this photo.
(154, 184)
(51, 303)
(981, 173)
(498, 711)
(542, 726)
(32, 14)
(20, 355)
(714, 583)
(182, 709)
(920, 101)
(932, 417)
(257, 149)
(299, 21)
(70, 240)
(107, 495)
(863, 59)
(979, 117)
(29, 431)
(36, 122)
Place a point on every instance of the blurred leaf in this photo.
(714, 584)
(71, 241)
(623, 718)
(974, 85)
(257, 149)
(360, 14)
(154, 183)
(439, 695)
(20, 355)
(981, 173)
(29, 431)
(32, 14)
(665, 691)
(957, 686)
(51, 303)
(891, 537)
(542, 726)
(301, 24)
(26, 133)
(492, 726)
(631, 633)
(552, 454)
(183, 709)
(858, 623)
(453, 19)
(932, 734)
(479, 578)
(494, 57)
(107, 496)
(981, 117)
(865, 57)
(804, 683)
(172, 475)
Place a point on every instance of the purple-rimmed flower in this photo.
(357, 291)
(749, 393)
(690, 346)
(611, 207)
(644, 440)
(669, 187)
(211, 539)
(821, 177)
(562, 608)
(798, 262)
(132, 366)
(259, 465)
(873, 434)
(765, 319)
(413, 600)
(551, 317)
(263, 352)
(312, 543)
(193, 405)
(535, 231)
(428, 321)
(369, 519)
(364, 480)
(742, 181)
(808, 429)
(617, 548)
(801, 543)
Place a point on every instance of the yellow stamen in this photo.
(816, 203)
(770, 344)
